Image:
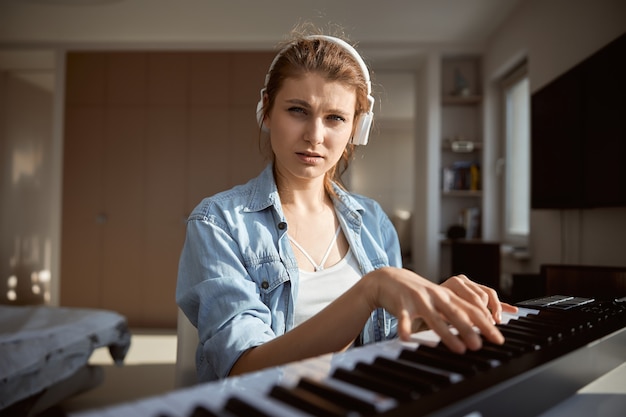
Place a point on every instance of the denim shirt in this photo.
(238, 276)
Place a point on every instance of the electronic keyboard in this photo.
(554, 346)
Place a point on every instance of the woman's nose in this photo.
(315, 130)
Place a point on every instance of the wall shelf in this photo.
(461, 147)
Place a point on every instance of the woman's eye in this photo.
(337, 118)
(296, 110)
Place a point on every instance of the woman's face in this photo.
(310, 125)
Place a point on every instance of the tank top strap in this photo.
(317, 267)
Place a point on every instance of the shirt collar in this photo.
(265, 194)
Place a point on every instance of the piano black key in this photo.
(574, 319)
(534, 328)
(414, 382)
(336, 396)
(369, 382)
(566, 330)
(560, 329)
(500, 352)
(240, 408)
(437, 379)
(200, 411)
(308, 402)
(524, 335)
(481, 361)
(515, 347)
(431, 359)
(491, 357)
(525, 345)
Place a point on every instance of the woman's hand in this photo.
(480, 295)
(458, 302)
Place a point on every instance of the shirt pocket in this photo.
(270, 276)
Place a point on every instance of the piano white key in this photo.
(156, 407)
(184, 402)
(315, 368)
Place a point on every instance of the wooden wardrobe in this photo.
(147, 135)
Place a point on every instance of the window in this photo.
(516, 157)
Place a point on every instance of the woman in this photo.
(291, 265)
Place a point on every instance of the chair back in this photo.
(186, 345)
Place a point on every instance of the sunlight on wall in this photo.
(40, 286)
(29, 266)
(26, 162)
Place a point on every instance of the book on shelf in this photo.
(461, 175)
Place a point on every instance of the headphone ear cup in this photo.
(362, 130)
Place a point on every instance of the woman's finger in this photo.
(470, 291)
(466, 318)
(445, 333)
(404, 325)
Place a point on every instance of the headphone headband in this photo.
(364, 121)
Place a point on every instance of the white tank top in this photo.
(320, 288)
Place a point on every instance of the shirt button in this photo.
(265, 285)
(282, 225)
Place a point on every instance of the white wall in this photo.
(383, 169)
(555, 35)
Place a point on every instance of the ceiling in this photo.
(388, 31)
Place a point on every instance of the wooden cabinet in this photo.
(147, 136)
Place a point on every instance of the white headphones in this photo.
(364, 121)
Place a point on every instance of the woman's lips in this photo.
(309, 157)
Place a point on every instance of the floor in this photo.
(148, 370)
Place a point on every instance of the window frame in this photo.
(508, 81)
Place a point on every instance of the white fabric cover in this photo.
(42, 345)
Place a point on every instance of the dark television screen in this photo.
(578, 134)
